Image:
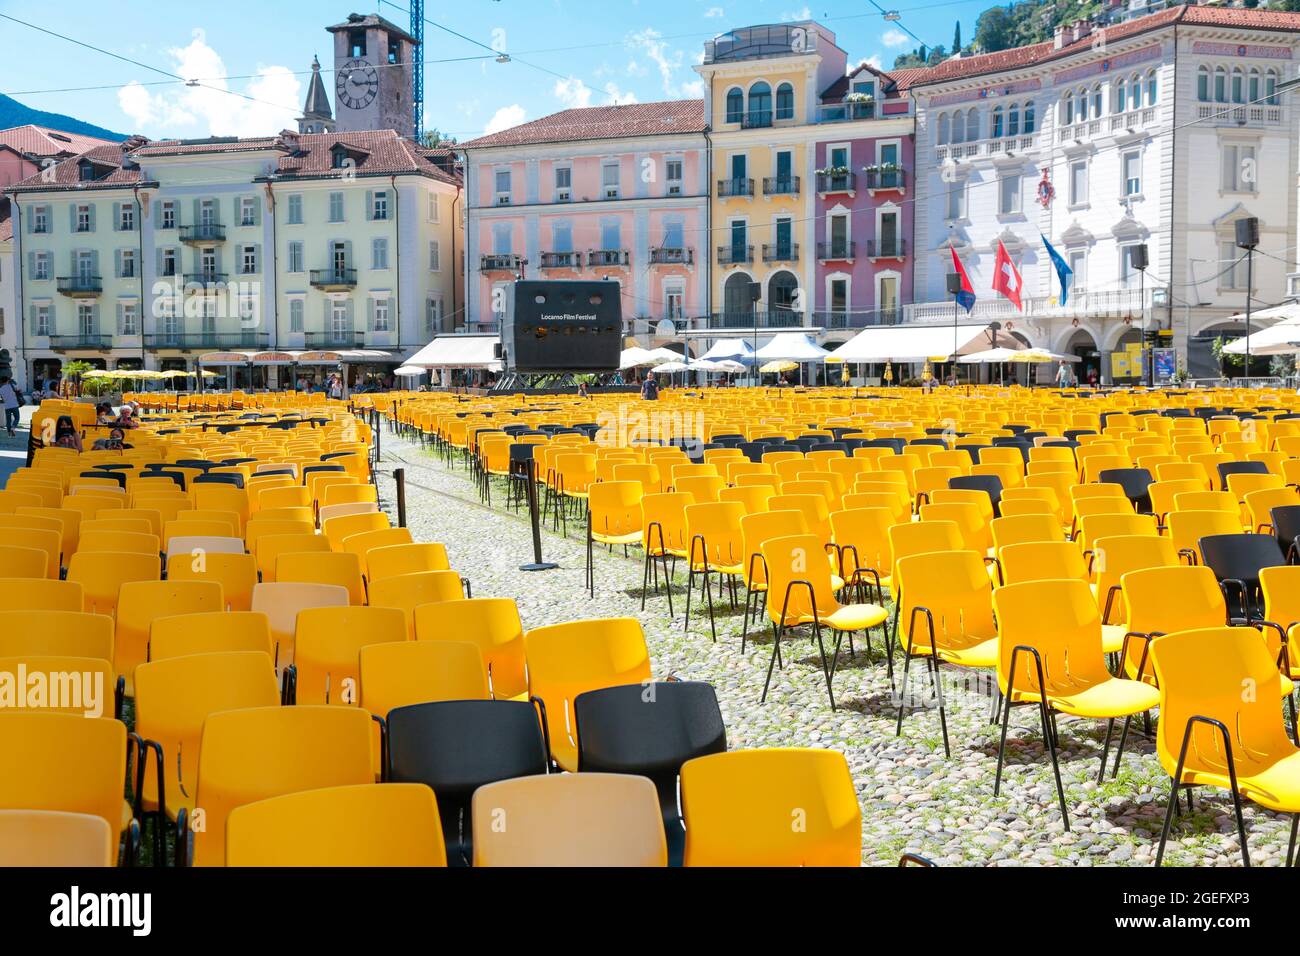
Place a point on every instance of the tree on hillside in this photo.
(956, 39)
(937, 56)
(995, 30)
(906, 61)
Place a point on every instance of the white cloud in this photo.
(714, 12)
(668, 61)
(573, 93)
(505, 118)
(803, 14)
(894, 37)
(272, 100)
(874, 62)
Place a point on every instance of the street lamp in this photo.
(1140, 263)
(1248, 239)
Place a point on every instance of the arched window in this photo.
(760, 104)
(1121, 94)
(1153, 88)
(1220, 85)
(1203, 84)
(972, 124)
(945, 129)
(1252, 93)
(1096, 101)
(1083, 104)
(1029, 117)
(958, 127)
(1238, 88)
(1067, 109)
(785, 102)
(1013, 119)
(1270, 87)
(735, 105)
(995, 131)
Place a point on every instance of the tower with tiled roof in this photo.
(316, 116)
(373, 75)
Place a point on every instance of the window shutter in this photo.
(257, 257)
(117, 216)
(348, 261)
(370, 204)
(370, 314)
(157, 213)
(235, 218)
(94, 262)
(28, 218)
(92, 217)
(121, 319)
(31, 264)
(32, 318)
(72, 217)
(117, 262)
(158, 264)
(197, 206)
(94, 318)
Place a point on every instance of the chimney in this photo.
(1082, 29)
(1061, 37)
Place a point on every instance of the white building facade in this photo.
(1159, 132)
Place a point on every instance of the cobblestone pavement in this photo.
(914, 799)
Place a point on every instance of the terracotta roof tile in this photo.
(1018, 57)
(602, 122)
(43, 141)
(109, 172)
(375, 152)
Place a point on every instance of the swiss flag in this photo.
(1006, 277)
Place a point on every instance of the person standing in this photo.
(1063, 375)
(650, 389)
(12, 402)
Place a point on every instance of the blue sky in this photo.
(564, 53)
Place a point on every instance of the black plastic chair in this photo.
(1286, 528)
(830, 446)
(199, 463)
(1236, 560)
(312, 469)
(220, 478)
(1072, 434)
(1227, 468)
(805, 445)
(620, 731)
(753, 450)
(928, 441)
(972, 450)
(991, 485)
(457, 746)
(898, 444)
(232, 462)
(121, 466)
(1136, 483)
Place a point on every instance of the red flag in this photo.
(1006, 277)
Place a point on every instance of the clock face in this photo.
(357, 85)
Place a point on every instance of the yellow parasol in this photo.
(779, 365)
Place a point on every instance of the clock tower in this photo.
(373, 86)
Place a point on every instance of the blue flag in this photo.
(1063, 271)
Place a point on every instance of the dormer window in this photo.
(338, 157)
(87, 170)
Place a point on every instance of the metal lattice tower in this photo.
(417, 65)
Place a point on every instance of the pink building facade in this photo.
(600, 193)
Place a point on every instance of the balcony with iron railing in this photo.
(846, 112)
(81, 340)
(756, 119)
(845, 182)
(672, 256)
(754, 43)
(186, 340)
(204, 281)
(856, 319)
(335, 339)
(334, 279)
(728, 188)
(607, 257)
(780, 185)
(837, 250)
(735, 254)
(80, 287)
(203, 232)
(755, 319)
(878, 178)
(561, 260)
(781, 252)
(500, 262)
(894, 248)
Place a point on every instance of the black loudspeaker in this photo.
(562, 326)
(1247, 233)
(954, 283)
(755, 291)
(1140, 261)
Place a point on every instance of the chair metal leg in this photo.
(1119, 751)
(1105, 750)
(902, 695)
(776, 641)
(943, 714)
(1056, 767)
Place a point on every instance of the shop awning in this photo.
(791, 347)
(912, 343)
(1280, 339)
(459, 351)
(225, 358)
